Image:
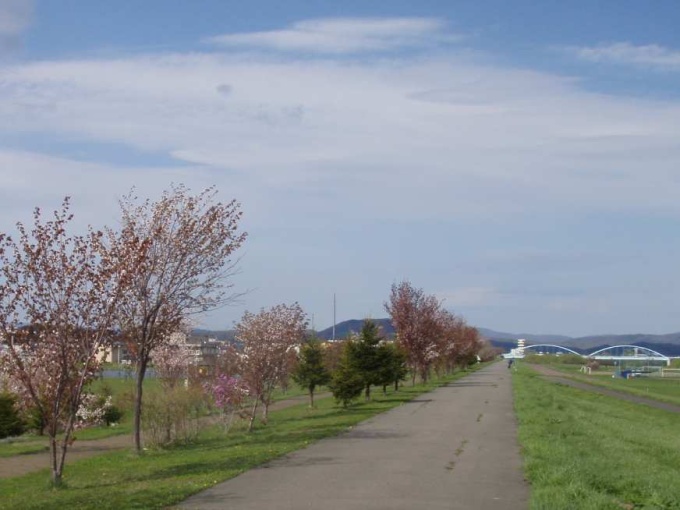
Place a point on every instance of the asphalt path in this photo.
(453, 448)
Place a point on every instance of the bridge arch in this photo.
(646, 352)
(552, 346)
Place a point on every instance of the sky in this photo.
(519, 160)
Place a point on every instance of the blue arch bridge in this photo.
(613, 353)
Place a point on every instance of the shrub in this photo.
(11, 423)
(112, 414)
(171, 417)
(34, 420)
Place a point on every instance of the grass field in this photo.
(662, 389)
(158, 479)
(121, 389)
(588, 451)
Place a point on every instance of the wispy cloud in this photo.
(624, 53)
(344, 35)
(409, 145)
(15, 18)
(467, 149)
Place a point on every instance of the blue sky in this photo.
(517, 159)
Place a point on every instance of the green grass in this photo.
(583, 450)
(31, 443)
(22, 445)
(159, 479)
(657, 388)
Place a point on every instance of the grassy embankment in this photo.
(158, 479)
(583, 450)
(665, 389)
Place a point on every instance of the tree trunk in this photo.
(137, 425)
(61, 460)
(311, 398)
(368, 392)
(396, 385)
(252, 415)
(384, 389)
(56, 472)
(265, 412)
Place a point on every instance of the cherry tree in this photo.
(171, 361)
(58, 297)
(469, 345)
(188, 270)
(449, 341)
(229, 393)
(268, 338)
(415, 317)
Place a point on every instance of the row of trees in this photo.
(431, 336)
(65, 297)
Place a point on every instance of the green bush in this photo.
(11, 423)
(112, 414)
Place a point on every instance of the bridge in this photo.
(613, 353)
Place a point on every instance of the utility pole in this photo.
(334, 310)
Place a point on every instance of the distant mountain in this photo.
(224, 335)
(490, 334)
(346, 328)
(632, 339)
(668, 344)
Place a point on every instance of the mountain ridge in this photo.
(668, 343)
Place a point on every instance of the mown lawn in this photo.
(158, 479)
(588, 451)
(663, 389)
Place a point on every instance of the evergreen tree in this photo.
(392, 366)
(346, 383)
(311, 371)
(10, 422)
(365, 356)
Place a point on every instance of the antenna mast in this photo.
(334, 310)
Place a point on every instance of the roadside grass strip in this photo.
(162, 478)
(584, 450)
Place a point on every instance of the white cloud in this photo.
(331, 146)
(15, 18)
(343, 35)
(405, 138)
(624, 53)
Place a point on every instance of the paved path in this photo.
(453, 448)
(19, 465)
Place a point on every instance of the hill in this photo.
(345, 328)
